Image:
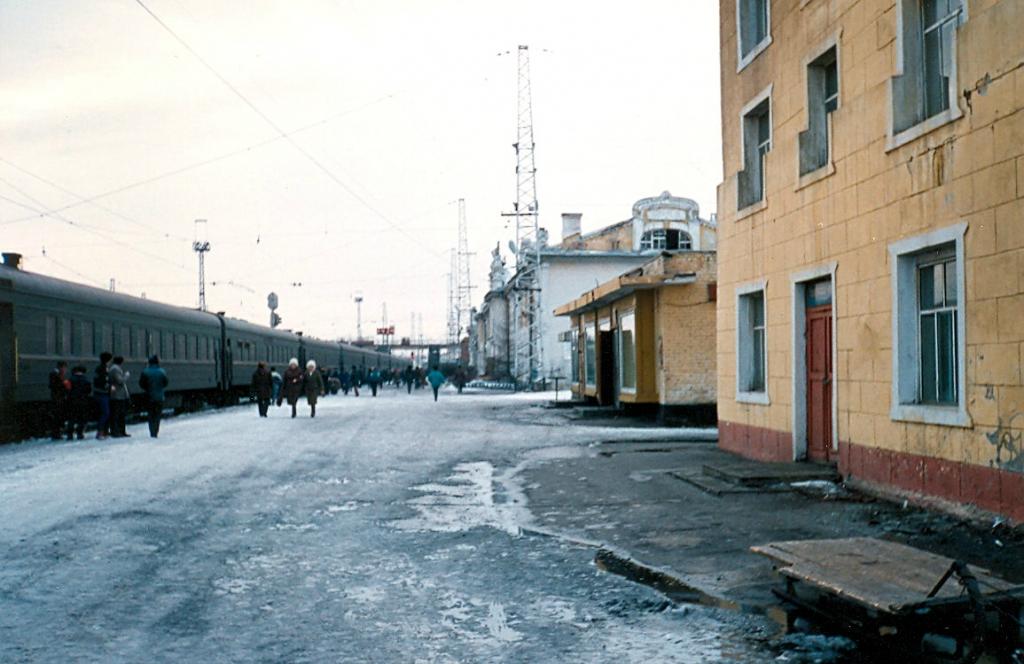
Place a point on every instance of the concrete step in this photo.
(756, 473)
(717, 486)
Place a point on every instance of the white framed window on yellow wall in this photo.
(627, 351)
(590, 354)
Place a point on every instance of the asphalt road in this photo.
(383, 530)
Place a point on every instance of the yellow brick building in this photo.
(645, 340)
(871, 241)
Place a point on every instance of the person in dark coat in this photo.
(78, 403)
(59, 387)
(153, 382)
(357, 379)
(262, 387)
(313, 386)
(460, 378)
(101, 393)
(293, 383)
(120, 398)
(407, 378)
(346, 380)
(374, 379)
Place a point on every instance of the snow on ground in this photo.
(383, 530)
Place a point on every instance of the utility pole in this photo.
(525, 324)
(201, 246)
(463, 287)
(359, 316)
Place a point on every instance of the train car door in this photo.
(8, 368)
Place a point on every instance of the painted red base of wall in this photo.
(991, 489)
(755, 443)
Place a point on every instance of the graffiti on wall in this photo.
(1009, 445)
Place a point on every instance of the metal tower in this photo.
(201, 246)
(463, 287)
(527, 360)
(453, 304)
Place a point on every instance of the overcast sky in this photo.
(392, 111)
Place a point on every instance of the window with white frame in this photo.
(822, 100)
(752, 18)
(928, 323)
(666, 239)
(574, 354)
(757, 143)
(627, 352)
(925, 86)
(751, 337)
(590, 354)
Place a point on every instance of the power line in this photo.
(273, 125)
(198, 164)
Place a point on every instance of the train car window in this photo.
(190, 342)
(141, 350)
(123, 342)
(106, 338)
(65, 337)
(179, 346)
(85, 341)
(51, 335)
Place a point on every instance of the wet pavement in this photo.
(384, 530)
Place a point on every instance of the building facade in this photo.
(582, 261)
(645, 340)
(871, 245)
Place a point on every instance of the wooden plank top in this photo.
(883, 575)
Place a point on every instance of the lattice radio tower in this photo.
(200, 246)
(463, 287)
(453, 304)
(527, 359)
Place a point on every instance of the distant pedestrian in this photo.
(374, 379)
(120, 398)
(313, 385)
(78, 403)
(293, 383)
(346, 380)
(357, 379)
(153, 382)
(276, 381)
(436, 380)
(262, 387)
(407, 378)
(101, 393)
(59, 388)
(460, 378)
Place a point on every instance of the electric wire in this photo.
(273, 125)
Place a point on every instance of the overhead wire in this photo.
(270, 122)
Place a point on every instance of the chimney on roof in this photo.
(571, 229)
(12, 260)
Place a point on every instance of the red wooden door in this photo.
(819, 383)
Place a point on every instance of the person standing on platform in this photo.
(276, 381)
(374, 379)
(436, 380)
(153, 382)
(78, 403)
(101, 393)
(120, 398)
(313, 385)
(262, 387)
(293, 383)
(59, 387)
(357, 379)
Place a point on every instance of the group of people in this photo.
(75, 397)
(271, 387)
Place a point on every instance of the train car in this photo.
(326, 354)
(44, 320)
(246, 345)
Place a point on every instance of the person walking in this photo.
(374, 379)
(346, 380)
(153, 382)
(407, 378)
(275, 381)
(436, 380)
(313, 385)
(59, 387)
(262, 387)
(101, 393)
(460, 378)
(78, 403)
(120, 398)
(293, 383)
(357, 379)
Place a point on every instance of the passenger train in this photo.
(209, 357)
